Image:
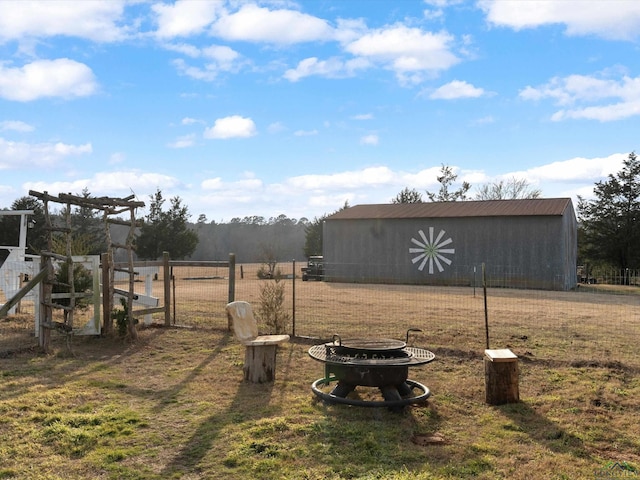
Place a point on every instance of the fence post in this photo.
(293, 300)
(44, 334)
(107, 324)
(232, 277)
(167, 288)
(486, 312)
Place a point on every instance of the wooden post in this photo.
(260, 363)
(501, 377)
(232, 277)
(44, 334)
(107, 322)
(167, 288)
(232, 287)
(293, 299)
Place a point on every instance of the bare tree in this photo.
(511, 189)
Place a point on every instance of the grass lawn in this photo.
(173, 405)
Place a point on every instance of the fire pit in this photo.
(370, 362)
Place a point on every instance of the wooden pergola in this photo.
(112, 209)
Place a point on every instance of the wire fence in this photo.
(595, 323)
(592, 323)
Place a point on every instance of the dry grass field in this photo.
(173, 404)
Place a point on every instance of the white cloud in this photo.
(25, 155)
(184, 49)
(443, 3)
(436, 10)
(116, 158)
(16, 126)
(249, 183)
(208, 73)
(484, 120)
(258, 24)
(578, 169)
(456, 89)
(276, 127)
(369, 140)
(234, 126)
(613, 19)
(331, 68)
(605, 113)
(185, 17)
(218, 58)
(409, 52)
(580, 92)
(305, 133)
(363, 116)
(117, 183)
(245, 192)
(46, 78)
(371, 176)
(183, 141)
(97, 21)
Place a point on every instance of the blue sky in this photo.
(247, 108)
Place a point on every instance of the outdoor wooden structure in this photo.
(501, 377)
(260, 352)
(110, 208)
(45, 278)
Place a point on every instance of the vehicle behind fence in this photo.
(594, 323)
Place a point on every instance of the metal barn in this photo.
(522, 243)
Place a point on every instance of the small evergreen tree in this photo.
(408, 196)
(166, 231)
(86, 222)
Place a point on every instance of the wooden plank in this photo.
(62, 258)
(202, 263)
(22, 292)
(501, 355)
(147, 311)
(58, 306)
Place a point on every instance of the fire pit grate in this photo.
(382, 363)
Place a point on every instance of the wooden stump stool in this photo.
(501, 377)
(260, 363)
(260, 353)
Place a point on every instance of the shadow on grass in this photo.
(544, 431)
(247, 404)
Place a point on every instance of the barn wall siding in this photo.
(520, 251)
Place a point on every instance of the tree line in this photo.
(608, 224)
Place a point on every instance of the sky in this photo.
(269, 108)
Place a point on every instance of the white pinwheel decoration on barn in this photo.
(431, 250)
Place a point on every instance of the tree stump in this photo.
(501, 377)
(260, 363)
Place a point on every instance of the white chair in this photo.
(260, 352)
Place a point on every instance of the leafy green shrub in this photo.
(121, 317)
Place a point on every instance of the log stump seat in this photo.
(260, 351)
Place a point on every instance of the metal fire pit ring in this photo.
(382, 363)
(403, 402)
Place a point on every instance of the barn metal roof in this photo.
(484, 208)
